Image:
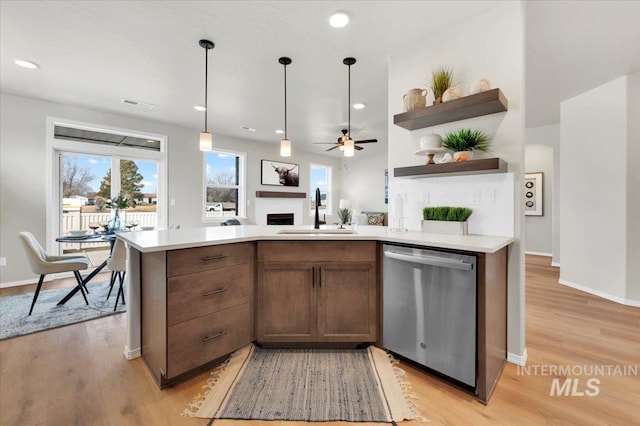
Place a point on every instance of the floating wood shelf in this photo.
(482, 103)
(280, 194)
(473, 167)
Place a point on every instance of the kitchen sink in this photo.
(315, 231)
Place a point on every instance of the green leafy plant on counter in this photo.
(344, 215)
(466, 140)
(450, 214)
(441, 80)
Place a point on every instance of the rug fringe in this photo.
(198, 400)
(407, 389)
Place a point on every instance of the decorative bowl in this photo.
(77, 232)
(147, 228)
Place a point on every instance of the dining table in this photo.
(88, 238)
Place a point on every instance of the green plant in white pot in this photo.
(446, 220)
(464, 141)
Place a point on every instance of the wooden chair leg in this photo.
(35, 295)
(81, 285)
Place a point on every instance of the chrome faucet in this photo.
(316, 224)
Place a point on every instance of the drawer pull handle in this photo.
(216, 257)
(215, 336)
(211, 293)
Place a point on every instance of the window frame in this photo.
(329, 206)
(241, 186)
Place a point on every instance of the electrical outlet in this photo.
(173, 202)
(248, 202)
(425, 197)
(475, 197)
(3, 261)
(490, 196)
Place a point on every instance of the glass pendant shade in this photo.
(206, 141)
(285, 148)
(349, 148)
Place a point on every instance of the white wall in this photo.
(550, 136)
(487, 46)
(633, 187)
(593, 183)
(362, 180)
(538, 229)
(23, 182)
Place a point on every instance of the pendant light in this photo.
(206, 139)
(348, 143)
(285, 144)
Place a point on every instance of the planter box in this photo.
(444, 227)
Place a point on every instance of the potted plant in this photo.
(441, 80)
(445, 220)
(464, 141)
(345, 216)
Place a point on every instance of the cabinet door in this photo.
(286, 302)
(347, 300)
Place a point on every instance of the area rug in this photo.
(14, 310)
(312, 385)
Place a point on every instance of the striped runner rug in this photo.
(313, 385)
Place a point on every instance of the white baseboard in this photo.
(47, 279)
(537, 253)
(520, 360)
(617, 299)
(556, 264)
(130, 354)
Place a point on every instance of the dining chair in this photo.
(117, 263)
(43, 264)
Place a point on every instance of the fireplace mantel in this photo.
(280, 194)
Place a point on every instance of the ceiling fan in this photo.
(345, 143)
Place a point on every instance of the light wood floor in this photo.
(77, 374)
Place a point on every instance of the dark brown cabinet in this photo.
(318, 298)
(196, 307)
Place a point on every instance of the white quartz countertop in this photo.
(161, 240)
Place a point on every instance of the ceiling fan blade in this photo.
(333, 147)
(359, 148)
(325, 143)
(367, 141)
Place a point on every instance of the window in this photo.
(320, 178)
(224, 195)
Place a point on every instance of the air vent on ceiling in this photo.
(137, 104)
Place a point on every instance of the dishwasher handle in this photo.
(430, 260)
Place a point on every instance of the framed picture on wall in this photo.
(280, 174)
(533, 194)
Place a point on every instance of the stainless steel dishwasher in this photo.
(429, 309)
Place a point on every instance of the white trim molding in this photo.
(555, 264)
(130, 354)
(520, 360)
(537, 253)
(617, 299)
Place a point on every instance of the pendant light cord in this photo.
(349, 104)
(285, 101)
(206, 91)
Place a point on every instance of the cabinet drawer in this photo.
(187, 261)
(194, 295)
(317, 251)
(196, 342)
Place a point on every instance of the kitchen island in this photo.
(247, 269)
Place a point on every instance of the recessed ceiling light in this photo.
(279, 131)
(26, 64)
(199, 108)
(339, 19)
(248, 129)
(358, 106)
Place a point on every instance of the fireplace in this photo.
(280, 219)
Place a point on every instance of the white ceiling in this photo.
(93, 54)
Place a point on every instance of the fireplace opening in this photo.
(280, 219)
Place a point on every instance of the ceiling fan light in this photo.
(285, 148)
(206, 141)
(349, 148)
